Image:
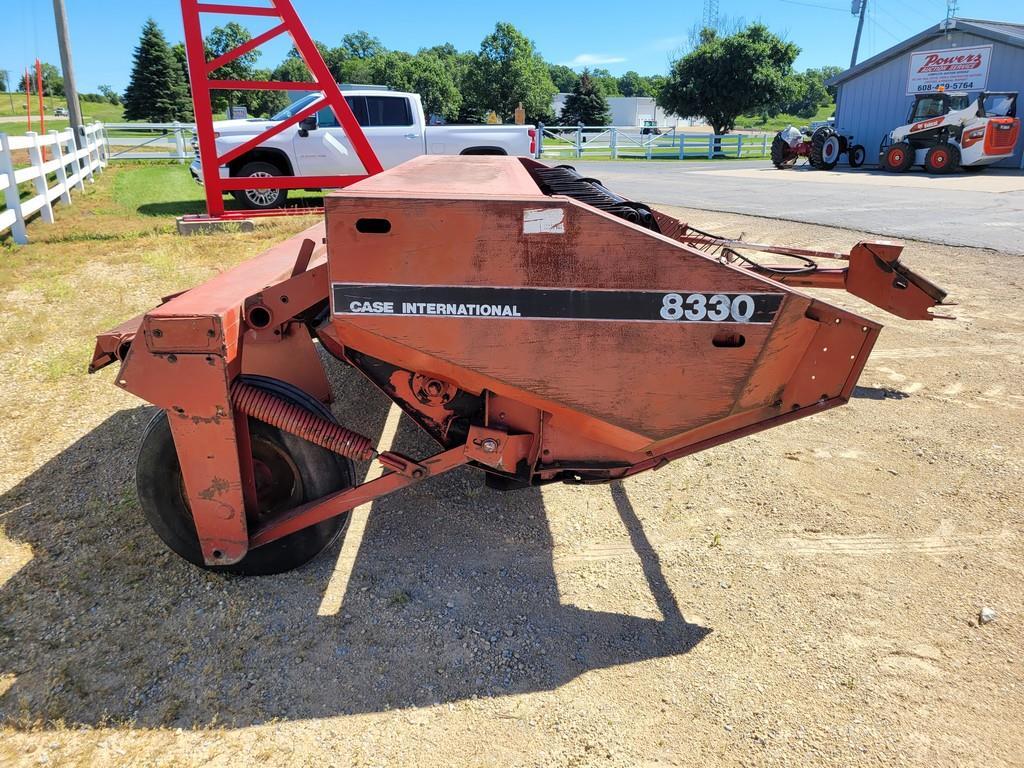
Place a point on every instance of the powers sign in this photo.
(955, 69)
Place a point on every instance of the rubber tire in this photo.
(950, 165)
(905, 161)
(856, 155)
(251, 169)
(779, 147)
(158, 479)
(818, 140)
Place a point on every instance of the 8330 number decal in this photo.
(717, 308)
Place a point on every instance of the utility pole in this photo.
(860, 27)
(68, 70)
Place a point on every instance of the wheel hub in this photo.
(261, 196)
(278, 482)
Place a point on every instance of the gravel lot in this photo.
(807, 596)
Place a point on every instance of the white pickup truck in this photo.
(393, 123)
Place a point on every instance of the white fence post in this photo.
(579, 140)
(77, 172)
(35, 156)
(711, 147)
(11, 197)
(739, 145)
(87, 146)
(62, 170)
(613, 142)
(179, 143)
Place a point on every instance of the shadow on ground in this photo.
(198, 207)
(452, 594)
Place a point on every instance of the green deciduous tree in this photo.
(728, 76)
(827, 73)
(605, 82)
(3, 81)
(361, 45)
(564, 78)
(632, 84)
(109, 94)
(506, 71)
(156, 91)
(586, 104)
(220, 41)
(53, 83)
(425, 74)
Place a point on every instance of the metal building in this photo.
(960, 54)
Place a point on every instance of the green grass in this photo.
(91, 111)
(779, 122)
(157, 189)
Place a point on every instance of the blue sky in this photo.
(617, 35)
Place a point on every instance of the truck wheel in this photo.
(898, 158)
(942, 158)
(290, 471)
(260, 199)
(782, 155)
(825, 148)
(856, 155)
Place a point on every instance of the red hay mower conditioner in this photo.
(536, 325)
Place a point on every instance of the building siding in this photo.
(871, 104)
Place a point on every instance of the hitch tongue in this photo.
(877, 276)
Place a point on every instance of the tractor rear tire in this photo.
(942, 158)
(898, 157)
(779, 150)
(856, 155)
(826, 147)
(295, 472)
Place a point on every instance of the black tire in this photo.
(942, 158)
(856, 155)
(826, 147)
(897, 157)
(779, 153)
(314, 471)
(260, 199)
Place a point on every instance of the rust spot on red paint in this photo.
(217, 487)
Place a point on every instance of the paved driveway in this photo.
(983, 209)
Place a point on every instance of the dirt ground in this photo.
(807, 596)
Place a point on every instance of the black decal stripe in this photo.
(531, 303)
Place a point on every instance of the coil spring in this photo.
(296, 420)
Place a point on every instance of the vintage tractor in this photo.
(948, 131)
(822, 147)
(536, 325)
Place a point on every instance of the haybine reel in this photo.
(536, 325)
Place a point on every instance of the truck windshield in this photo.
(297, 106)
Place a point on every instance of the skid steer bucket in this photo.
(535, 324)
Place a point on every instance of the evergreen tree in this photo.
(586, 104)
(157, 90)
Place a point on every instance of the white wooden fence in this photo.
(55, 167)
(150, 141)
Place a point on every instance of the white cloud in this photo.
(669, 43)
(593, 59)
